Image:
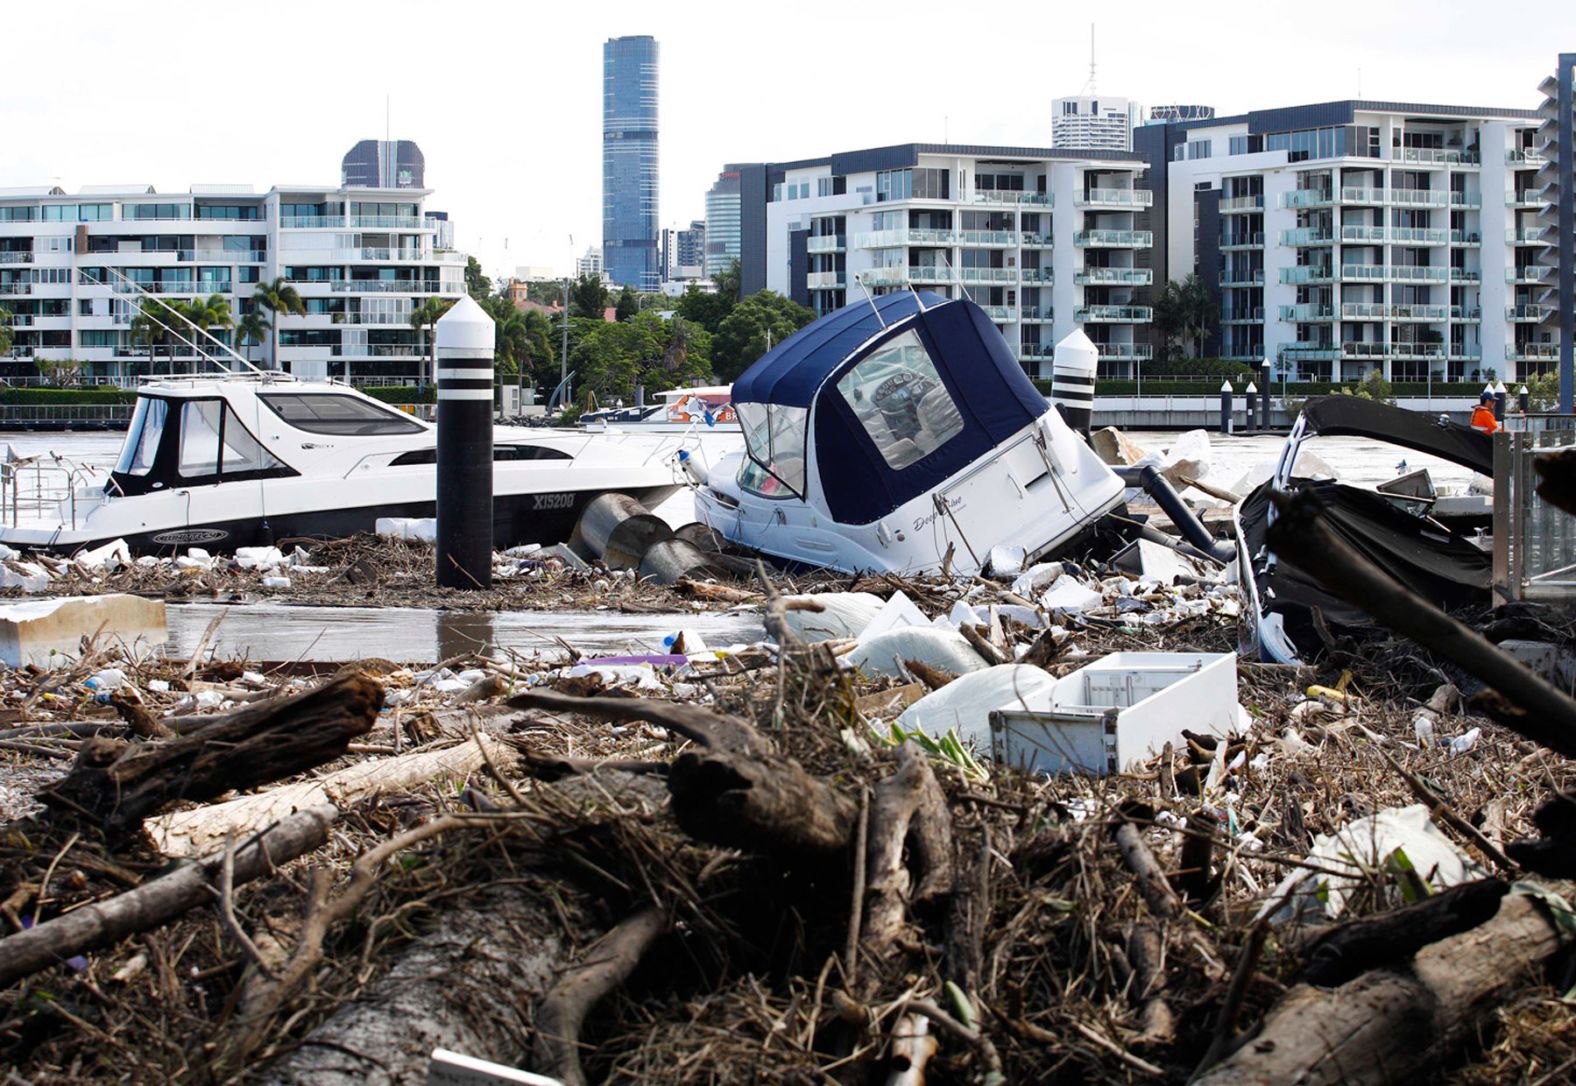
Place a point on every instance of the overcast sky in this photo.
(505, 99)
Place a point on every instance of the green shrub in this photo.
(402, 393)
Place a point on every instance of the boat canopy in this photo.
(902, 392)
(1354, 416)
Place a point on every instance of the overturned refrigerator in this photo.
(1432, 545)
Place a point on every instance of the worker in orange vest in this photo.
(1483, 415)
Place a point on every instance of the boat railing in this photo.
(48, 489)
(1534, 540)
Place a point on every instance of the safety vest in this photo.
(1483, 419)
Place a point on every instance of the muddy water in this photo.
(276, 632)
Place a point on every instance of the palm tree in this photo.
(1187, 310)
(250, 329)
(6, 335)
(147, 328)
(424, 316)
(279, 298)
(210, 312)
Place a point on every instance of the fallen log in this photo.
(902, 803)
(606, 964)
(119, 783)
(198, 830)
(1396, 1024)
(160, 900)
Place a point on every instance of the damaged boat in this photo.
(900, 434)
(1426, 542)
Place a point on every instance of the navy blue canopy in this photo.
(790, 373)
(994, 397)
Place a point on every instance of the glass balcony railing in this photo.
(16, 258)
(1114, 198)
(231, 256)
(1139, 351)
(999, 313)
(1306, 313)
(1466, 313)
(1418, 312)
(1306, 274)
(1530, 273)
(1243, 315)
(1115, 313)
(1009, 196)
(387, 222)
(1529, 235)
(1037, 350)
(987, 237)
(1311, 350)
(825, 280)
(1036, 241)
(1528, 312)
(1407, 350)
(385, 286)
(1251, 278)
(1239, 204)
(988, 275)
(1125, 277)
(311, 222)
(826, 243)
(1465, 275)
(1524, 198)
(1464, 352)
(1136, 239)
(1037, 275)
(1532, 352)
(15, 289)
(1438, 155)
(1037, 313)
(1307, 235)
(1251, 239)
(1378, 273)
(1525, 158)
(930, 273)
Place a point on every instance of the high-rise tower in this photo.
(630, 247)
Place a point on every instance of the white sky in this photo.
(505, 99)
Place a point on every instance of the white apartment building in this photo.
(1045, 241)
(590, 265)
(360, 258)
(1100, 121)
(1351, 236)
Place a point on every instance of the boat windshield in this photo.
(775, 437)
(899, 399)
(142, 436)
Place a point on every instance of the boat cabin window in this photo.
(899, 399)
(215, 443)
(500, 452)
(775, 437)
(142, 436)
(342, 416)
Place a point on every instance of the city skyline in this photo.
(519, 188)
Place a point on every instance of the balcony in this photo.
(1525, 158)
(311, 222)
(1036, 314)
(376, 350)
(1242, 315)
(1306, 313)
(382, 254)
(1140, 351)
(997, 238)
(1120, 199)
(1114, 239)
(386, 286)
(11, 290)
(1241, 205)
(1529, 274)
(825, 280)
(1532, 352)
(1036, 241)
(930, 273)
(1248, 239)
(1299, 198)
(370, 318)
(1397, 235)
(1115, 314)
(1254, 278)
(1436, 156)
(1535, 313)
(1393, 273)
(1009, 196)
(1042, 276)
(228, 256)
(387, 222)
(1527, 198)
(1418, 312)
(1311, 351)
(1531, 235)
(1465, 237)
(826, 243)
(1466, 313)
(1461, 352)
(1466, 199)
(1412, 351)
(1037, 350)
(1307, 235)
(16, 258)
(1121, 277)
(887, 239)
(987, 275)
(1423, 198)
(1001, 314)
(1306, 273)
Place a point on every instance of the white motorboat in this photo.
(680, 411)
(246, 459)
(896, 432)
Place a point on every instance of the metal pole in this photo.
(1252, 401)
(563, 362)
(1499, 401)
(466, 342)
(1566, 303)
(1225, 407)
(1523, 395)
(1264, 397)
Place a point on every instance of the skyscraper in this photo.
(384, 164)
(722, 222)
(630, 247)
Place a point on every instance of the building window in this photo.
(1198, 149)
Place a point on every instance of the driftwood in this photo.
(906, 804)
(160, 900)
(119, 784)
(606, 964)
(1527, 703)
(198, 830)
(1146, 943)
(1395, 1024)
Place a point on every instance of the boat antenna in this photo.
(167, 328)
(136, 288)
(860, 279)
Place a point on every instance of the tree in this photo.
(588, 297)
(278, 298)
(1186, 311)
(59, 372)
(210, 312)
(422, 317)
(610, 358)
(759, 322)
(250, 330)
(730, 282)
(628, 304)
(704, 308)
(7, 336)
(477, 285)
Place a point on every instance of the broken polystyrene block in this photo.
(30, 632)
(965, 704)
(942, 649)
(1118, 711)
(842, 614)
(1067, 593)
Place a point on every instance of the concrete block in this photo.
(30, 631)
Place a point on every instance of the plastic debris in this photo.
(943, 649)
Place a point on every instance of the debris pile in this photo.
(811, 859)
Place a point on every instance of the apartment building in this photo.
(1045, 240)
(1345, 237)
(361, 258)
(1102, 121)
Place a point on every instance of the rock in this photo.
(1116, 448)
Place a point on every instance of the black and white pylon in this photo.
(1072, 380)
(466, 341)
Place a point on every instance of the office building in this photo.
(1351, 236)
(590, 264)
(1046, 240)
(383, 164)
(684, 253)
(361, 259)
(722, 222)
(1098, 122)
(629, 162)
